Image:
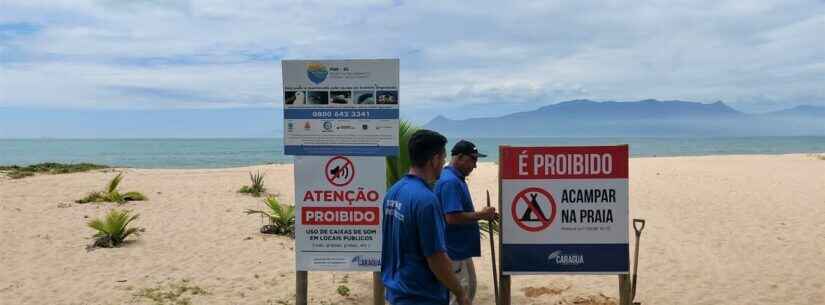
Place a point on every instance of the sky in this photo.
(458, 59)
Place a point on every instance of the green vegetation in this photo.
(17, 172)
(398, 166)
(343, 290)
(485, 227)
(257, 188)
(281, 217)
(112, 195)
(113, 230)
(172, 294)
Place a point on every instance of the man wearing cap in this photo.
(462, 234)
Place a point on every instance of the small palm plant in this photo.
(398, 166)
(257, 188)
(281, 217)
(113, 229)
(111, 194)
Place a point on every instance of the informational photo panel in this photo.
(338, 213)
(341, 107)
(564, 209)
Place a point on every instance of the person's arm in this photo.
(442, 267)
(487, 213)
(450, 194)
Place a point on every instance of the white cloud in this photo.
(758, 55)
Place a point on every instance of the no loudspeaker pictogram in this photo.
(339, 171)
(528, 209)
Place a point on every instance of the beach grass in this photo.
(17, 171)
(257, 187)
(172, 294)
(111, 194)
(113, 229)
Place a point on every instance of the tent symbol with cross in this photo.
(536, 204)
(533, 211)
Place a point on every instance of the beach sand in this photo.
(720, 230)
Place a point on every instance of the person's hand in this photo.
(488, 213)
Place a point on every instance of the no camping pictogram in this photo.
(339, 171)
(529, 209)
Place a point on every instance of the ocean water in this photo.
(217, 153)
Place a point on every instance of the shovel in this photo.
(638, 226)
(493, 251)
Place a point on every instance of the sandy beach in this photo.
(721, 230)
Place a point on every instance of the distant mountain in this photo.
(803, 110)
(638, 118)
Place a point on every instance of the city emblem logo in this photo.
(317, 72)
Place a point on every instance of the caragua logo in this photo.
(566, 259)
(317, 72)
(366, 260)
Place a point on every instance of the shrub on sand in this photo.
(113, 229)
(343, 290)
(257, 188)
(111, 194)
(17, 172)
(281, 217)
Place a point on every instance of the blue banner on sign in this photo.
(340, 113)
(329, 150)
(563, 258)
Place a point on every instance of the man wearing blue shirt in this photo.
(415, 267)
(462, 234)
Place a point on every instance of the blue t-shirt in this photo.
(413, 229)
(463, 240)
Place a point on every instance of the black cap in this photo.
(466, 148)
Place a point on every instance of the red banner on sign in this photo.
(570, 162)
(340, 216)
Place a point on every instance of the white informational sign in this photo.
(341, 107)
(564, 209)
(338, 212)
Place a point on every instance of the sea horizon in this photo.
(224, 152)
